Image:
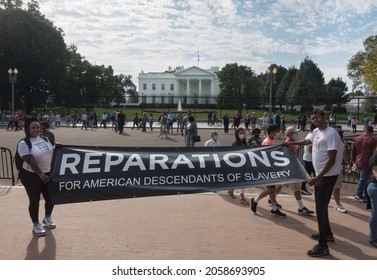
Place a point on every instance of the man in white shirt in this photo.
(214, 141)
(327, 161)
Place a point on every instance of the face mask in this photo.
(215, 137)
(294, 136)
(242, 136)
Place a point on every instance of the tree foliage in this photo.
(362, 66)
(47, 68)
(308, 85)
(238, 86)
(37, 49)
(336, 90)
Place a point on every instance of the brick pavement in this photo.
(200, 226)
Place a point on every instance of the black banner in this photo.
(81, 173)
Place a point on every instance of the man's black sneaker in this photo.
(330, 238)
(305, 211)
(318, 251)
(277, 213)
(253, 205)
(305, 192)
(373, 243)
(277, 204)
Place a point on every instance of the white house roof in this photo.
(194, 71)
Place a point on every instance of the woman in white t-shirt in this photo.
(36, 153)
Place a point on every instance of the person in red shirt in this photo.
(362, 150)
(270, 190)
(292, 134)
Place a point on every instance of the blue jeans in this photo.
(363, 181)
(372, 192)
(188, 140)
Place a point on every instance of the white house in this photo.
(188, 85)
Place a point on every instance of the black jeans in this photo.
(308, 165)
(323, 192)
(34, 187)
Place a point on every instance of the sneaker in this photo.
(305, 192)
(38, 230)
(277, 204)
(253, 205)
(340, 208)
(373, 243)
(49, 223)
(305, 211)
(277, 213)
(360, 199)
(330, 238)
(318, 251)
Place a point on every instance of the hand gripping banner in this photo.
(81, 173)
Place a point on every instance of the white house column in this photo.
(200, 89)
(176, 88)
(212, 88)
(188, 89)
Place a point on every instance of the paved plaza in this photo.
(200, 226)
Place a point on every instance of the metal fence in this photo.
(7, 177)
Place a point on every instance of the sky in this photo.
(146, 35)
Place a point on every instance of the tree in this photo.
(336, 90)
(370, 70)
(283, 89)
(362, 65)
(308, 86)
(37, 49)
(238, 86)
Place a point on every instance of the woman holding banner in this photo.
(36, 154)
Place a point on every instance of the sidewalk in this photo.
(202, 226)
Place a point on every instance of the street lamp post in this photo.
(271, 78)
(142, 103)
(12, 80)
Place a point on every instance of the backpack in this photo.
(17, 158)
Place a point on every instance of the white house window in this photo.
(162, 86)
(171, 86)
(153, 86)
(144, 86)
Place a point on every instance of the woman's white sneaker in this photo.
(340, 208)
(49, 223)
(38, 230)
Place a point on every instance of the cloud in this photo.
(152, 35)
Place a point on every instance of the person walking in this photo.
(292, 134)
(240, 140)
(192, 129)
(372, 193)
(34, 174)
(226, 123)
(327, 161)
(362, 150)
(270, 190)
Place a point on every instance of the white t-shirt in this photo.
(324, 141)
(41, 150)
(307, 156)
(212, 143)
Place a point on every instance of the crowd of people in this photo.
(323, 157)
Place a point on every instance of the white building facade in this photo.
(190, 86)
